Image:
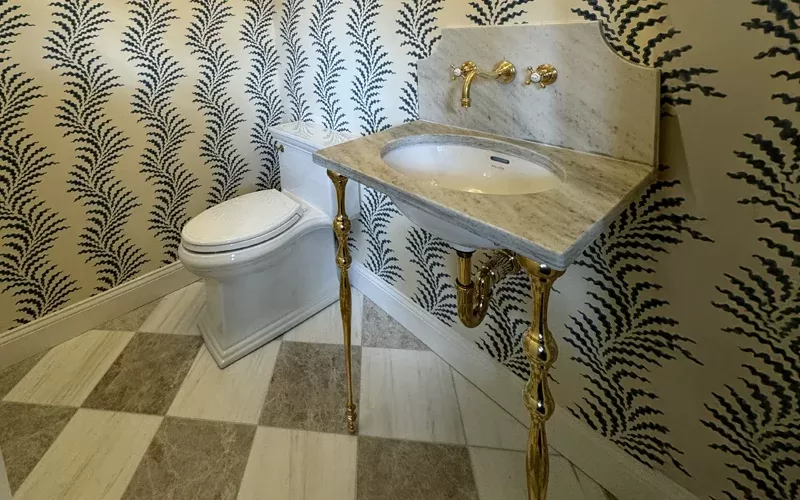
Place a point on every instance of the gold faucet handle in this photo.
(544, 75)
(462, 71)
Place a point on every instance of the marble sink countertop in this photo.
(551, 227)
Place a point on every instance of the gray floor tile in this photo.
(147, 374)
(26, 433)
(9, 377)
(399, 470)
(381, 330)
(193, 460)
(308, 389)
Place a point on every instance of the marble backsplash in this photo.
(600, 103)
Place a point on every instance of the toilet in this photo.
(268, 258)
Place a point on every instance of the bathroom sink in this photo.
(470, 165)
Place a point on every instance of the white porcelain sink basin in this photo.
(471, 165)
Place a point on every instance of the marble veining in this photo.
(600, 103)
(94, 457)
(208, 446)
(552, 227)
(287, 464)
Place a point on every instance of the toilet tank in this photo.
(303, 178)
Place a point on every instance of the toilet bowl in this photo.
(268, 258)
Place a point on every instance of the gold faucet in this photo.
(503, 72)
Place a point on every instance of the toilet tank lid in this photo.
(246, 218)
(309, 136)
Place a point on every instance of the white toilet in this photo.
(268, 258)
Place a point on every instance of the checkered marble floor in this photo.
(137, 409)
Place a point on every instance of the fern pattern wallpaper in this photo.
(678, 327)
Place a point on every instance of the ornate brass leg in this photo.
(341, 227)
(541, 349)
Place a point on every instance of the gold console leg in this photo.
(541, 350)
(341, 227)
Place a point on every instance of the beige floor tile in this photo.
(326, 326)
(308, 389)
(408, 395)
(69, 371)
(5, 488)
(234, 394)
(591, 490)
(379, 329)
(10, 376)
(392, 469)
(131, 321)
(178, 312)
(289, 464)
(500, 475)
(193, 460)
(93, 458)
(147, 374)
(485, 422)
(26, 433)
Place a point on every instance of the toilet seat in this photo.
(241, 222)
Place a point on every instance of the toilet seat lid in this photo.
(241, 222)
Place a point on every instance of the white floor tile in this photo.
(326, 326)
(234, 394)
(408, 395)
(591, 490)
(94, 457)
(300, 465)
(500, 475)
(485, 422)
(68, 372)
(178, 312)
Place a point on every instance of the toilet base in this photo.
(227, 356)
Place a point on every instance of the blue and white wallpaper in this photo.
(679, 327)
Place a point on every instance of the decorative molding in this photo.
(60, 326)
(612, 468)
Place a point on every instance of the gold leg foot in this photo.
(341, 227)
(541, 350)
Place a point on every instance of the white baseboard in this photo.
(616, 471)
(29, 339)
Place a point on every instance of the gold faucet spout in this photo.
(466, 100)
(503, 72)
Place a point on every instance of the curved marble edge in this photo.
(552, 227)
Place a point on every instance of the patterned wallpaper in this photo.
(678, 327)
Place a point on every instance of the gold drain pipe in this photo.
(474, 297)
